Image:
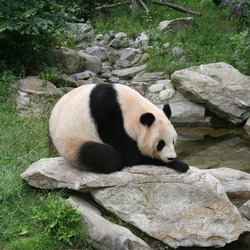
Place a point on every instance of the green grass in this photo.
(25, 213)
(207, 41)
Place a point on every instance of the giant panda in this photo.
(104, 127)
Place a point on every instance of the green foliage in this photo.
(6, 78)
(238, 12)
(27, 29)
(49, 74)
(241, 50)
(24, 141)
(60, 221)
(206, 41)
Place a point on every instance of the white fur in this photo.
(133, 105)
(71, 123)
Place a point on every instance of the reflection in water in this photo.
(210, 148)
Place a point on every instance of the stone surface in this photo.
(236, 183)
(118, 44)
(92, 63)
(66, 81)
(247, 126)
(100, 52)
(175, 24)
(86, 74)
(142, 41)
(166, 94)
(72, 62)
(103, 234)
(179, 209)
(150, 77)
(35, 86)
(121, 35)
(245, 209)
(129, 72)
(192, 210)
(129, 57)
(219, 87)
(33, 92)
(156, 87)
(78, 61)
(187, 112)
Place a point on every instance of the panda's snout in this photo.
(171, 158)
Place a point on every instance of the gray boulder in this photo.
(150, 77)
(103, 234)
(100, 52)
(92, 63)
(32, 93)
(129, 57)
(236, 183)
(189, 209)
(129, 72)
(78, 61)
(187, 113)
(142, 41)
(175, 24)
(35, 86)
(219, 87)
(247, 126)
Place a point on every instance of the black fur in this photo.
(100, 158)
(161, 144)
(167, 110)
(147, 119)
(119, 149)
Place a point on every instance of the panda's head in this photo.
(158, 136)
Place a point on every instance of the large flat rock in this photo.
(219, 86)
(190, 209)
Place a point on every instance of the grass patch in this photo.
(209, 40)
(30, 218)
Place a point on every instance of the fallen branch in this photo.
(108, 6)
(144, 6)
(177, 7)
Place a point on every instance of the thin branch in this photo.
(144, 6)
(107, 6)
(177, 7)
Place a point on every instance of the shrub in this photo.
(27, 28)
(241, 48)
(60, 221)
(239, 12)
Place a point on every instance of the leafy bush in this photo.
(60, 221)
(239, 12)
(241, 50)
(27, 28)
(6, 78)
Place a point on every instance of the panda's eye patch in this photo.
(161, 144)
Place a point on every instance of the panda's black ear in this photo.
(147, 119)
(166, 109)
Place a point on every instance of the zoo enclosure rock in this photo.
(179, 209)
(221, 88)
(175, 24)
(105, 235)
(33, 94)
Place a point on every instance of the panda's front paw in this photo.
(178, 165)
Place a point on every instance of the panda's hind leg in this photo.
(99, 158)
